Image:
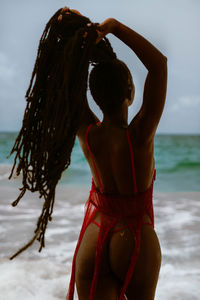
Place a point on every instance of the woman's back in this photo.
(111, 153)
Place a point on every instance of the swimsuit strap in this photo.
(95, 169)
(132, 161)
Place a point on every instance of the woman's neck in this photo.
(117, 119)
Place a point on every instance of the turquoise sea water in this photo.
(177, 160)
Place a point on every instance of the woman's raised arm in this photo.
(156, 81)
(146, 52)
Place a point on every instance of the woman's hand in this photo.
(103, 29)
(66, 10)
(108, 26)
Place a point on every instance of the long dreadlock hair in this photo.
(55, 99)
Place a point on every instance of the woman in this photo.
(118, 253)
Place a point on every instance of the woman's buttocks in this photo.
(121, 246)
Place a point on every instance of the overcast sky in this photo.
(171, 25)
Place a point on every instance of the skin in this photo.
(112, 158)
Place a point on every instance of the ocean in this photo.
(45, 275)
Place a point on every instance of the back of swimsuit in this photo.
(114, 208)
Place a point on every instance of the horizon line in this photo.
(159, 133)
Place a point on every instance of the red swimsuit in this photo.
(114, 208)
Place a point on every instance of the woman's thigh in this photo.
(108, 285)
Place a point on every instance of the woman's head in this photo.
(110, 84)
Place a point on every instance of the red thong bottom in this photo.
(113, 209)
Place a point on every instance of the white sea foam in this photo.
(41, 279)
(46, 275)
(178, 283)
